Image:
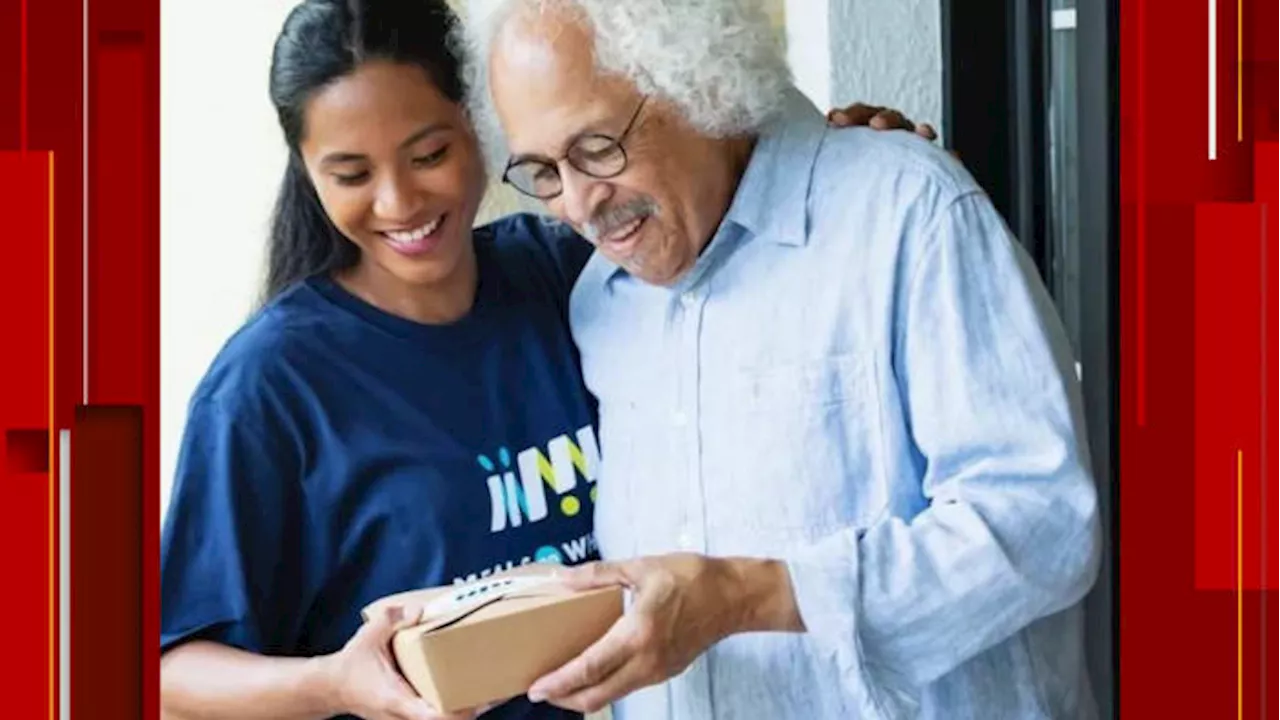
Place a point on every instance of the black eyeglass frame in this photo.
(613, 145)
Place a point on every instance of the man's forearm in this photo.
(207, 681)
(767, 601)
(916, 601)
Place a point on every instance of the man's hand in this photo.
(362, 678)
(682, 604)
(879, 118)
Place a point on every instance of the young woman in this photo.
(405, 410)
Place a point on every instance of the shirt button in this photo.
(679, 419)
(688, 299)
(686, 542)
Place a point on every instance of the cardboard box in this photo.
(488, 641)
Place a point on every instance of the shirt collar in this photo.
(771, 200)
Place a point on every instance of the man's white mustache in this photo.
(609, 220)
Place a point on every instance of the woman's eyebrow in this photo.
(339, 157)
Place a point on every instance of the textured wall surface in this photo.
(882, 52)
(888, 52)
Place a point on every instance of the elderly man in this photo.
(844, 467)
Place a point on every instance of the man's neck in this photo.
(737, 154)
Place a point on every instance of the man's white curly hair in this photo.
(720, 63)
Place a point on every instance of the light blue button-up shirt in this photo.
(863, 376)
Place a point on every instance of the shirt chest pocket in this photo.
(795, 447)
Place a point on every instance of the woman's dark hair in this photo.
(322, 41)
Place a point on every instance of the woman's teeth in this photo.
(413, 236)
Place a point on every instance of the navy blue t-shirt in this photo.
(335, 454)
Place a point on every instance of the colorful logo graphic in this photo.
(519, 495)
(548, 554)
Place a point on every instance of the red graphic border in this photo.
(1197, 456)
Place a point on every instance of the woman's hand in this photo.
(363, 679)
(878, 118)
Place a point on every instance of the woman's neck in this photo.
(441, 303)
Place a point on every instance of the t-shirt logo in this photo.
(516, 501)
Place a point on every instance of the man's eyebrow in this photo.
(564, 148)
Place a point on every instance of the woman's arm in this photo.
(232, 581)
(202, 680)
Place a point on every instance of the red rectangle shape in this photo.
(1266, 173)
(117, 255)
(1186, 651)
(10, 73)
(1175, 40)
(1228, 385)
(1260, 117)
(25, 513)
(1265, 190)
(25, 530)
(26, 602)
(122, 313)
(125, 15)
(106, 562)
(55, 121)
(1156, 480)
(24, 290)
(1260, 28)
(26, 450)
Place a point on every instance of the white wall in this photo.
(881, 52)
(221, 157)
(809, 49)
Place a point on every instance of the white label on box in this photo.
(475, 595)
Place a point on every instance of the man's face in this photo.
(656, 215)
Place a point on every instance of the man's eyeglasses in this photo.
(595, 155)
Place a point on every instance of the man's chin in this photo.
(649, 267)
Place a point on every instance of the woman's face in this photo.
(397, 169)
